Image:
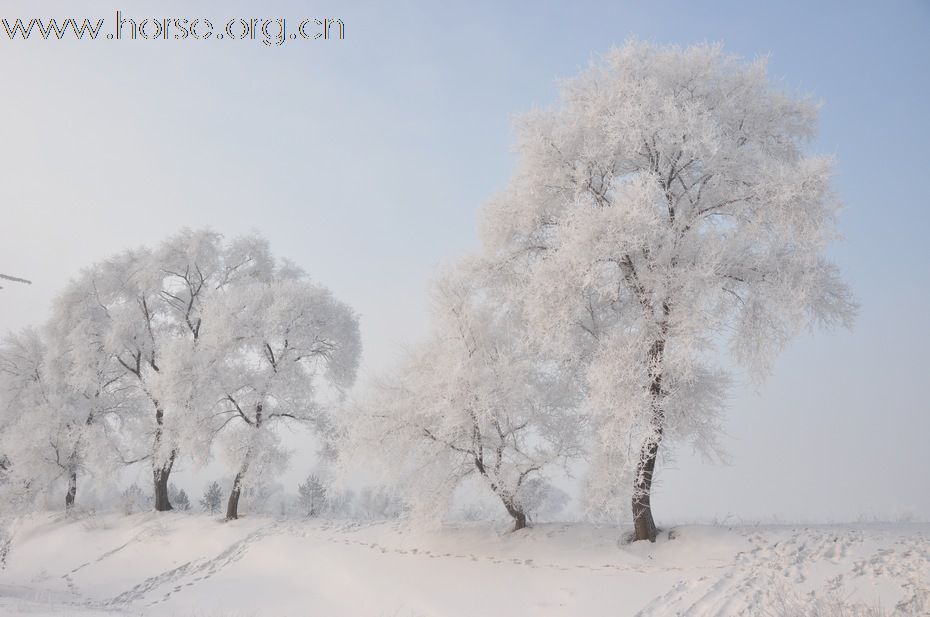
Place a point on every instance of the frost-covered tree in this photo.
(21, 401)
(56, 424)
(666, 208)
(476, 398)
(311, 494)
(269, 351)
(212, 498)
(141, 312)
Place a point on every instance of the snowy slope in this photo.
(182, 565)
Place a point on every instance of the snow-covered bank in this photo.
(174, 564)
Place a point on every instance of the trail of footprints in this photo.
(195, 571)
(176, 579)
(760, 574)
(753, 578)
(909, 563)
(69, 579)
(531, 563)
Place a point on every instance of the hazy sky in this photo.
(366, 162)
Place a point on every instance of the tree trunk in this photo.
(73, 465)
(160, 476)
(232, 506)
(515, 511)
(72, 490)
(517, 514)
(644, 527)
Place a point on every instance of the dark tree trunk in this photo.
(72, 490)
(73, 461)
(644, 527)
(160, 476)
(517, 514)
(515, 511)
(232, 506)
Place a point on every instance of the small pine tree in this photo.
(182, 501)
(212, 498)
(179, 498)
(312, 495)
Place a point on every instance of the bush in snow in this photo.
(788, 603)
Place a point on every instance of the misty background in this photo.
(366, 161)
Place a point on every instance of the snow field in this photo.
(196, 566)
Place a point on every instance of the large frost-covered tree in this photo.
(475, 399)
(269, 348)
(667, 207)
(140, 312)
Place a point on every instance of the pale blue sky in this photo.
(366, 162)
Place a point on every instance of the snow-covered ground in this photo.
(181, 565)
